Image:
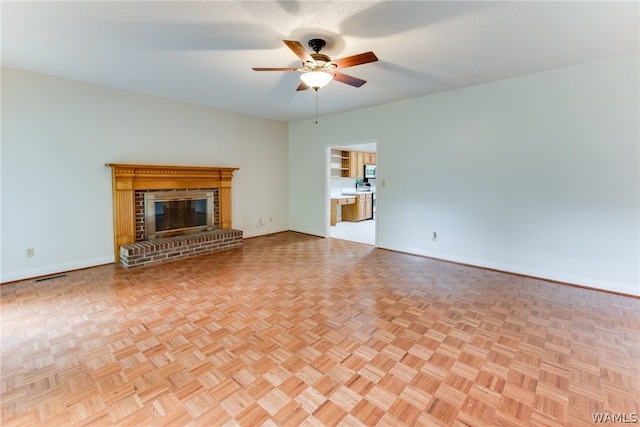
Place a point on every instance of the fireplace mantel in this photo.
(128, 178)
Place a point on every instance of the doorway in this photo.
(352, 199)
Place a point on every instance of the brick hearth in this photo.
(170, 248)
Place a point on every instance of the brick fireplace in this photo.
(194, 212)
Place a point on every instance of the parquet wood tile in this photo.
(295, 330)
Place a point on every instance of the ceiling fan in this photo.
(319, 69)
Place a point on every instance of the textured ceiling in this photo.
(202, 52)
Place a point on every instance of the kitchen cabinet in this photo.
(369, 158)
(356, 164)
(361, 210)
(339, 203)
(350, 164)
(340, 164)
(368, 207)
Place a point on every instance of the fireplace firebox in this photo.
(172, 213)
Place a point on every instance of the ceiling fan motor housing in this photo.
(321, 61)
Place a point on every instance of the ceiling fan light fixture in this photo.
(316, 79)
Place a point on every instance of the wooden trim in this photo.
(127, 178)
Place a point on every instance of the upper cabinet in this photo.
(370, 158)
(356, 164)
(340, 167)
(350, 164)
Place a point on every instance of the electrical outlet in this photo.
(30, 252)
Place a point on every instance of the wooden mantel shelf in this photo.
(127, 178)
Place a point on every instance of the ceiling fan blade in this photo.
(350, 80)
(274, 69)
(299, 50)
(302, 86)
(350, 61)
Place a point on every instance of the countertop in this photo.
(355, 193)
(347, 194)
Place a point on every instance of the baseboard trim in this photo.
(37, 273)
(529, 276)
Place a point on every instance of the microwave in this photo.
(369, 171)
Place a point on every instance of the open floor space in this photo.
(292, 329)
(361, 232)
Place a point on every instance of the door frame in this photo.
(327, 195)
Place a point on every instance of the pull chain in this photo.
(316, 106)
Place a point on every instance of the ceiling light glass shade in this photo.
(316, 79)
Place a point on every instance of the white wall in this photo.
(56, 192)
(536, 175)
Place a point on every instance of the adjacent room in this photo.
(181, 184)
(352, 169)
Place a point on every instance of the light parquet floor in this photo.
(295, 330)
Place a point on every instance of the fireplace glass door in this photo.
(173, 213)
(179, 214)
